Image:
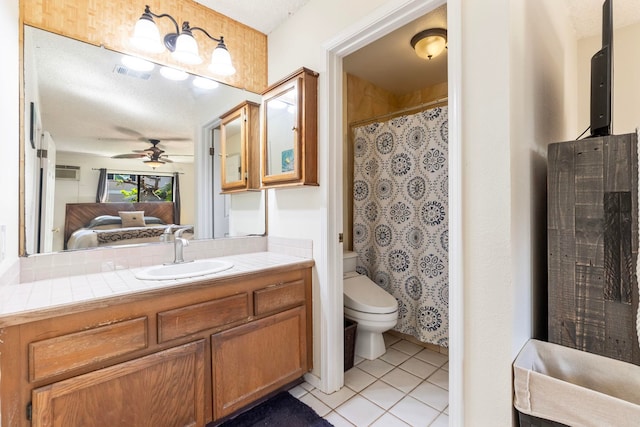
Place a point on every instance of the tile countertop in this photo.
(30, 301)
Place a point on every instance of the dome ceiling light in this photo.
(429, 43)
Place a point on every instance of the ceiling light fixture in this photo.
(154, 163)
(429, 43)
(181, 44)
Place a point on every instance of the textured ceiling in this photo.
(261, 15)
(586, 15)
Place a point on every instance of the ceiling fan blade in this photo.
(128, 156)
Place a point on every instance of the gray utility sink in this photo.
(184, 269)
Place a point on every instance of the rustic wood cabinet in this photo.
(177, 356)
(592, 234)
(290, 131)
(240, 148)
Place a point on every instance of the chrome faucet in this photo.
(166, 234)
(179, 243)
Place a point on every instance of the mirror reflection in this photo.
(281, 127)
(106, 130)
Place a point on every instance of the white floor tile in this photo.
(418, 368)
(432, 395)
(336, 399)
(389, 339)
(388, 420)
(298, 391)
(441, 421)
(414, 412)
(440, 378)
(376, 367)
(446, 366)
(402, 380)
(394, 356)
(315, 404)
(446, 411)
(337, 420)
(359, 411)
(407, 347)
(305, 385)
(432, 357)
(382, 394)
(357, 379)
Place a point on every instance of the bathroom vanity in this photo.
(180, 354)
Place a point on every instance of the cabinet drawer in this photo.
(278, 297)
(61, 354)
(188, 320)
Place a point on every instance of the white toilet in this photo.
(366, 303)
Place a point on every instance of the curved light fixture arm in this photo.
(169, 39)
(185, 26)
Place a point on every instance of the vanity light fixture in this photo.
(173, 74)
(137, 64)
(181, 44)
(429, 43)
(203, 83)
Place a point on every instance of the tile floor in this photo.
(407, 386)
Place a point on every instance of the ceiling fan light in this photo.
(221, 61)
(146, 35)
(186, 49)
(429, 43)
(154, 163)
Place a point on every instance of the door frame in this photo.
(390, 16)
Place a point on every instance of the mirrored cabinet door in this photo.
(289, 131)
(239, 148)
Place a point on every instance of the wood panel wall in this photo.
(592, 230)
(110, 24)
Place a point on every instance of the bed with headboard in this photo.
(109, 224)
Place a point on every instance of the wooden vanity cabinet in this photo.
(290, 131)
(179, 356)
(240, 148)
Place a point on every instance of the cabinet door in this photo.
(240, 148)
(250, 361)
(233, 150)
(289, 131)
(162, 389)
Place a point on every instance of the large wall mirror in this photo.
(87, 110)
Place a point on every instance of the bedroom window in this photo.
(139, 188)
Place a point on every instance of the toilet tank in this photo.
(349, 260)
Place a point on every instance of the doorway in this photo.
(377, 25)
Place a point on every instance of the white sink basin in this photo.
(184, 270)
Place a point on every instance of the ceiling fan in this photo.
(153, 155)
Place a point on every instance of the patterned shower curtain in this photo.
(400, 220)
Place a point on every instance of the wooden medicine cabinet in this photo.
(290, 131)
(240, 148)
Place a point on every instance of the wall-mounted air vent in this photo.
(71, 173)
(126, 71)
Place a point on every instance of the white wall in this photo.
(518, 94)
(511, 111)
(626, 84)
(9, 123)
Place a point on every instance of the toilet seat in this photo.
(362, 295)
(374, 318)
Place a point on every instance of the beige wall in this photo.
(626, 84)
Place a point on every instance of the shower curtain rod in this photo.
(405, 110)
